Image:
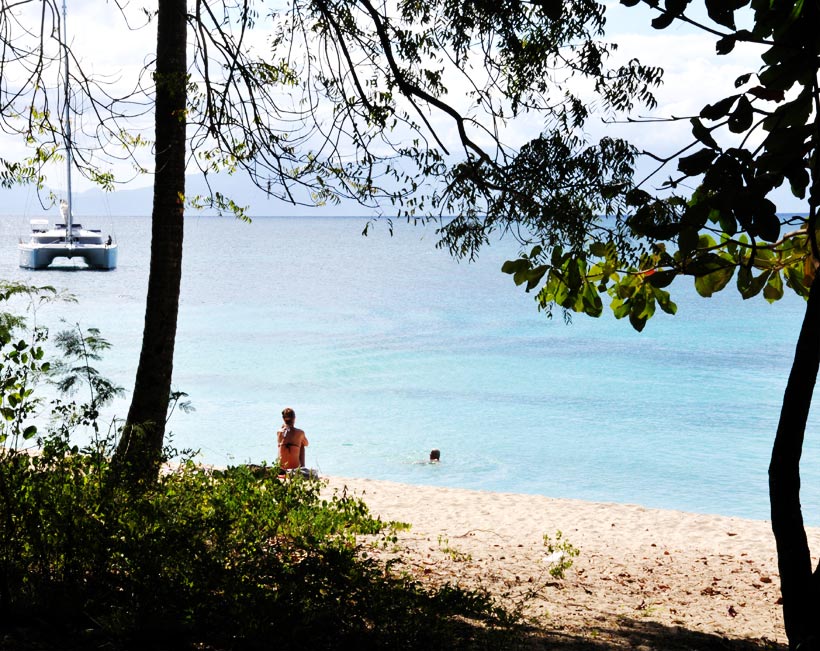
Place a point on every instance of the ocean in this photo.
(387, 347)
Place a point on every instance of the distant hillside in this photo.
(138, 201)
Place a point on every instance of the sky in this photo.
(694, 76)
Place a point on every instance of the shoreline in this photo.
(638, 568)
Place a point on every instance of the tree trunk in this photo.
(140, 449)
(799, 586)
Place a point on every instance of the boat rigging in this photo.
(66, 239)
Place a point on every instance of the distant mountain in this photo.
(138, 201)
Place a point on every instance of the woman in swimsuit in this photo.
(292, 442)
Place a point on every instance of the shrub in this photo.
(228, 558)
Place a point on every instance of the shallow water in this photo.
(386, 348)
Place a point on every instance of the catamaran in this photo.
(66, 239)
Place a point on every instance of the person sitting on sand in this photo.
(292, 442)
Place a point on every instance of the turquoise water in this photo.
(386, 348)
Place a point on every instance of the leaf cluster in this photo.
(744, 147)
(21, 365)
(228, 559)
(393, 74)
(730, 224)
(345, 99)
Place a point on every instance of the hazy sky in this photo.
(694, 75)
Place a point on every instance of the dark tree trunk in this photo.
(140, 449)
(799, 585)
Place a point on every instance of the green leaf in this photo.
(620, 308)
(29, 432)
(554, 290)
(743, 80)
(696, 215)
(727, 221)
(535, 275)
(688, 240)
(719, 109)
(726, 44)
(721, 12)
(766, 221)
(713, 282)
(798, 181)
(636, 321)
(741, 118)
(748, 285)
(573, 275)
(677, 7)
(552, 8)
(703, 134)
(769, 94)
(663, 21)
(520, 277)
(515, 266)
(588, 302)
(789, 122)
(784, 74)
(648, 309)
(665, 302)
(637, 197)
(705, 264)
(697, 163)
(796, 279)
(661, 278)
(611, 190)
(773, 291)
(598, 249)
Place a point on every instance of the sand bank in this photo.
(643, 576)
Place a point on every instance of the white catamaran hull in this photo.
(40, 256)
(46, 244)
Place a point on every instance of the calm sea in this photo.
(386, 347)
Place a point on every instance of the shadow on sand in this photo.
(641, 635)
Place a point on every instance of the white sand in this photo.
(637, 566)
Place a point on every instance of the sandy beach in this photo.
(643, 579)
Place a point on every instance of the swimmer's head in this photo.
(435, 455)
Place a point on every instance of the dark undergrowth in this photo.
(211, 560)
(200, 559)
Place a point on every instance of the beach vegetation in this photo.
(647, 610)
(560, 553)
(223, 559)
(453, 553)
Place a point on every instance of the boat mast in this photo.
(67, 129)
